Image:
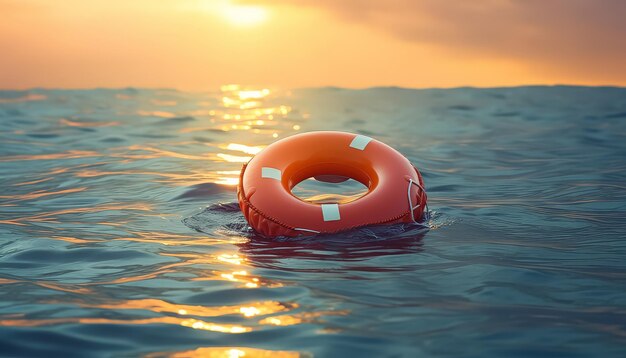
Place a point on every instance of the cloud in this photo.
(584, 37)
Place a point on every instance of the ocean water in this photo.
(120, 234)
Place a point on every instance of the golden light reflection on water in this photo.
(31, 182)
(234, 259)
(246, 109)
(231, 181)
(157, 153)
(232, 177)
(64, 288)
(185, 322)
(74, 240)
(159, 306)
(281, 321)
(233, 158)
(253, 314)
(161, 114)
(246, 311)
(171, 239)
(207, 326)
(298, 318)
(53, 216)
(244, 148)
(229, 352)
(41, 193)
(193, 177)
(70, 123)
(241, 275)
(76, 289)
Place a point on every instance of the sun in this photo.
(232, 12)
(244, 15)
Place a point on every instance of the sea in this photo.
(121, 235)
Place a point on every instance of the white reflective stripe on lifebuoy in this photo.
(330, 212)
(272, 173)
(360, 142)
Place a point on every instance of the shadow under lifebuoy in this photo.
(350, 249)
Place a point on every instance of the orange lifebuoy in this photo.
(395, 187)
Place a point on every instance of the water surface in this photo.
(119, 236)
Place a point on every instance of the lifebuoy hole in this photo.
(332, 189)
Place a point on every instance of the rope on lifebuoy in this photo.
(411, 207)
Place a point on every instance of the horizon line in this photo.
(115, 88)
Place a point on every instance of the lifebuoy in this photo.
(395, 194)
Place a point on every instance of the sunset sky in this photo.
(202, 44)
